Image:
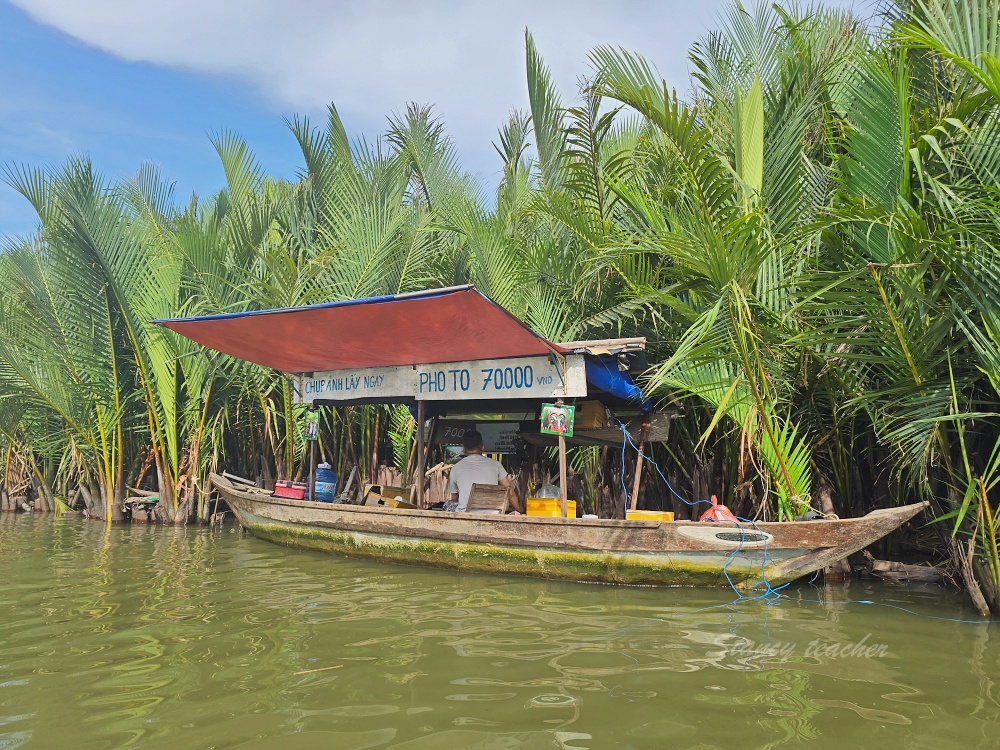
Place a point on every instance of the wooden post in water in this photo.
(419, 478)
(639, 461)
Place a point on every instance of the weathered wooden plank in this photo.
(600, 346)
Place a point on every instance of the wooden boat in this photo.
(459, 353)
(609, 551)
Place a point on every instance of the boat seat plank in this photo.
(488, 498)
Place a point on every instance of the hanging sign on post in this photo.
(558, 420)
(312, 424)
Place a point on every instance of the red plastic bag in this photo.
(718, 513)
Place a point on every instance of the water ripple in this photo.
(180, 638)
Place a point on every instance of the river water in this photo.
(162, 638)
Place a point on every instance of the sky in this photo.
(130, 81)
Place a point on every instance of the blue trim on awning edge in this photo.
(428, 294)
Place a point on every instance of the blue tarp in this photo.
(603, 373)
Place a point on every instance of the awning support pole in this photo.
(563, 495)
(639, 461)
(419, 478)
(563, 489)
(312, 470)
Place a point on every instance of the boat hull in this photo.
(608, 551)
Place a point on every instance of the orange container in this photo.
(550, 507)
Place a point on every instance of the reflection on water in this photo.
(184, 638)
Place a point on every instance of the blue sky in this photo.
(59, 96)
(128, 81)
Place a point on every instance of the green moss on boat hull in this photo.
(632, 568)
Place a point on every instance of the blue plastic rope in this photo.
(628, 441)
(982, 621)
(771, 595)
(769, 591)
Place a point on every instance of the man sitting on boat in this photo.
(475, 468)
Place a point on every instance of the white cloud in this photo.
(372, 57)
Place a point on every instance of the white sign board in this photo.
(520, 377)
(347, 385)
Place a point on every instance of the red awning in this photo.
(444, 325)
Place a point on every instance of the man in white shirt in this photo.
(475, 468)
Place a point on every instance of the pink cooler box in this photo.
(291, 490)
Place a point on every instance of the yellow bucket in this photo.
(551, 507)
(649, 515)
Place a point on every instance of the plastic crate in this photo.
(550, 507)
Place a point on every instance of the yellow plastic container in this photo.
(551, 507)
(591, 415)
(649, 515)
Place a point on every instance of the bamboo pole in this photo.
(411, 474)
(375, 439)
(421, 458)
(312, 471)
(411, 467)
(563, 493)
(563, 489)
(639, 461)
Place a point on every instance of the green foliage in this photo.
(808, 243)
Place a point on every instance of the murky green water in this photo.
(183, 638)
